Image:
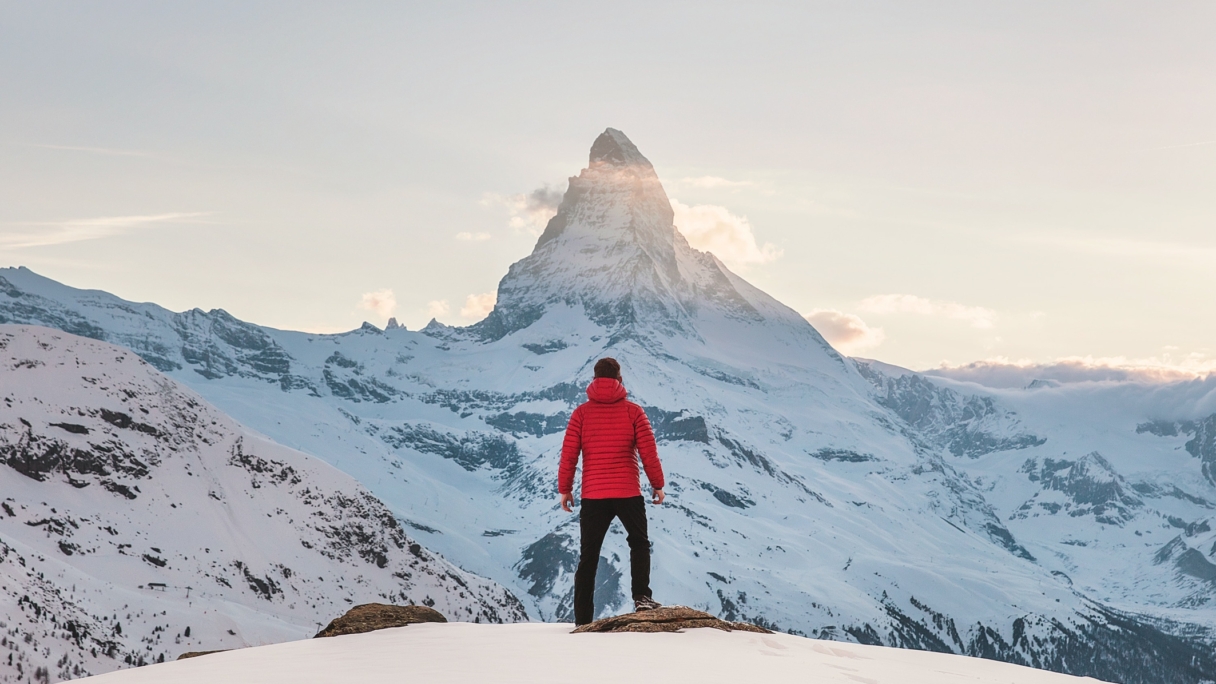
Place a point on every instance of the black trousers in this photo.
(594, 518)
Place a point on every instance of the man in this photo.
(611, 433)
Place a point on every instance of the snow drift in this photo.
(540, 654)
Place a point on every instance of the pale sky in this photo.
(944, 181)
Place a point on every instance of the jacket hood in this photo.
(606, 390)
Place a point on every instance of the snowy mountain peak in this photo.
(613, 147)
(617, 196)
(612, 255)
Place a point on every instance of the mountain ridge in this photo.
(132, 511)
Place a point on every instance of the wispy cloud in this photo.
(529, 212)
(478, 306)
(437, 308)
(844, 331)
(977, 316)
(1175, 147)
(473, 237)
(1170, 252)
(729, 237)
(108, 151)
(21, 235)
(1003, 372)
(383, 302)
(713, 182)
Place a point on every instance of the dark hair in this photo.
(607, 367)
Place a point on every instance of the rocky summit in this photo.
(667, 619)
(370, 617)
(1064, 527)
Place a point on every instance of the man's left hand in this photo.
(658, 496)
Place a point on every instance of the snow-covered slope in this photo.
(543, 654)
(808, 491)
(138, 522)
(1115, 494)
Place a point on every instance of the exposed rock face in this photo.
(666, 619)
(969, 426)
(1086, 486)
(372, 616)
(1202, 444)
(195, 654)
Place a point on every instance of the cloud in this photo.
(477, 307)
(1174, 147)
(109, 151)
(729, 237)
(846, 332)
(45, 233)
(438, 308)
(712, 182)
(1001, 372)
(383, 302)
(529, 212)
(473, 237)
(976, 316)
(1167, 253)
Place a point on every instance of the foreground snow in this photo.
(538, 653)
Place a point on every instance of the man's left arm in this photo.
(643, 435)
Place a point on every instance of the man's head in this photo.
(608, 367)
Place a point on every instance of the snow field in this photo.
(533, 653)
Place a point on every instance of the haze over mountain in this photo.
(1064, 527)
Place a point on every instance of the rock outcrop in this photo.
(195, 654)
(372, 616)
(666, 619)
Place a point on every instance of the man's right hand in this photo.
(567, 502)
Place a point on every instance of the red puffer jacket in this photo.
(610, 432)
